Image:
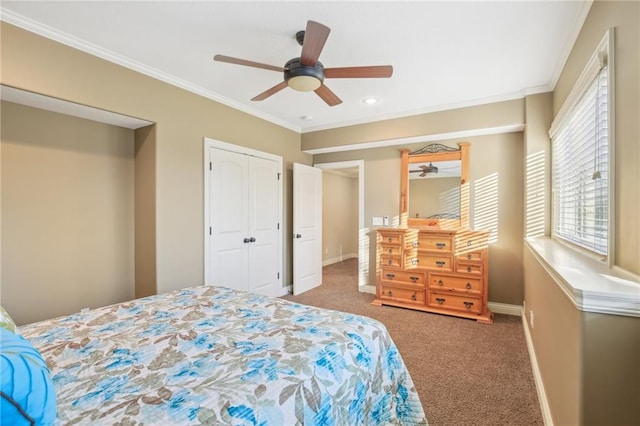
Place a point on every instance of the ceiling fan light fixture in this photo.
(304, 83)
(303, 78)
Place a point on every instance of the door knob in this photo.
(298, 236)
(247, 240)
(252, 240)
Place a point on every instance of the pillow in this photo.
(7, 322)
(27, 393)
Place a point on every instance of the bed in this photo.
(212, 355)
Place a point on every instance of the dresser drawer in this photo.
(400, 294)
(435, 261)
(391, 261)
(458, 284)
(391, 238)
(455, 302)
(469, 268)
(467, 241)
(471, 256)
(390, 250)
(406, 276)
(434, 242)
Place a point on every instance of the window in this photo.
(581, 147)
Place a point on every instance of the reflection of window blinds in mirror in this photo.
(428, 197)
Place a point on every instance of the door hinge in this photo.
(209, 230)
(210, 166)
(278, 275)
(278, 225)
(279, 176)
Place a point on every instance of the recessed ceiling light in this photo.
(306, 118)
(370, 101)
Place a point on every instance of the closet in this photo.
(243, 246)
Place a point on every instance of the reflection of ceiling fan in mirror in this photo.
(307, 73)
(442, 169)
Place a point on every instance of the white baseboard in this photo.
(504, 308)
(537, 376)
(339, 259)
(367, 288)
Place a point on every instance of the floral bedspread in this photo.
(212, 355)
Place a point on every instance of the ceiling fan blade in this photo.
(275, 89)
(237, 61)
(328, 96)
(315, 36)
(378, 71)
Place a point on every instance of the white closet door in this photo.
(263, 226)
(229, 226)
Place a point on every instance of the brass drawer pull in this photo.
(468, 286)
(468, 268)
(414, 262)
(469, 242)
(441, 245)
(440, 282)
(390, 262)
(390, 293)
(391, 276)
(414, 244)
(439, 300)
(414, 279)
(440, 263)
(390, 251)
(413, 297)
(469, 256)
(390, 239)
(468, 304)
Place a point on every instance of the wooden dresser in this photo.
(443, 271)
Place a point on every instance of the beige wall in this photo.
(496, 181)
(183, 119)
(339, 217)
(589, 362)
(68, 213)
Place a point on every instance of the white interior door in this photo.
(307, 228)
(229, 225)
(263, 226)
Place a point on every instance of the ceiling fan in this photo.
(424, 170)
(307, 73)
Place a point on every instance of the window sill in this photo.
(589, 284)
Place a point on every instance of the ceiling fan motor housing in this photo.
(303, 77)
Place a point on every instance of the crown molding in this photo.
(76, 43)
(581, 16)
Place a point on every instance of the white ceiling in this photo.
(445, 54)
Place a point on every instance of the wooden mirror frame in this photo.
(432, 153)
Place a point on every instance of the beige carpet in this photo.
(465, 373)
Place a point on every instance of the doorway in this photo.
(357, 167)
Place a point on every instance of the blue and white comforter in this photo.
(211, 355)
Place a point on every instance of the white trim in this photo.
(48, 103)
(363, 253)
(611, 128)
(537, 376)
(591, 69)
(367, 288)
(589, 284)
(436, 108)
(84, 46)
(334, 260)
(213, 143)
(505, 308)
(510, 128)
(580, 17)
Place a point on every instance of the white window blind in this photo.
(580, 167)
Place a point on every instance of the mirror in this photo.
(434, 191)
